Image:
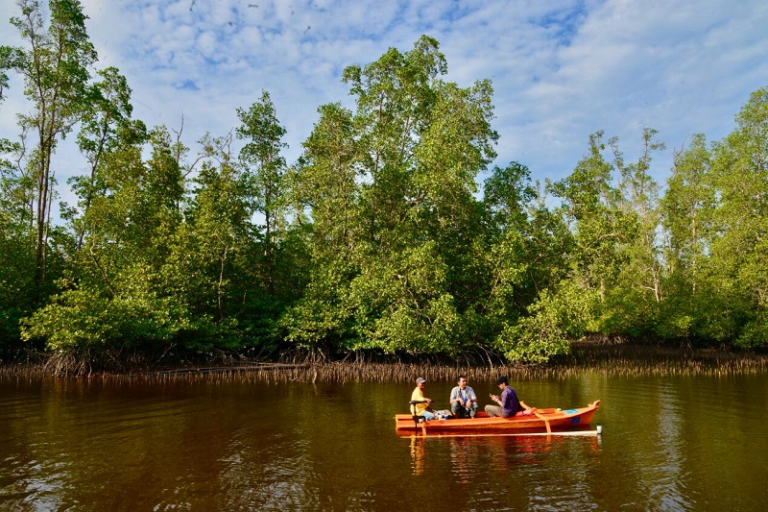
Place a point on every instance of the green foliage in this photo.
(552, 320)
(261, 154)
(115, 298)
(318, 319)
(755, 333)
(389, 192)
(592, 209)
(377, 238)
(16, 278)
(79, 320)
(402, 304)
(687, 209)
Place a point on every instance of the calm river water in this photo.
(668, 443)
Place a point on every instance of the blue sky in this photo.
(560, 69)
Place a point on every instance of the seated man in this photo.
(421, 405)
(463, 400)
(509, 405)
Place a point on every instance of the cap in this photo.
(421, 380)
(502, 380)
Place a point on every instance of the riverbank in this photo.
(609, 359)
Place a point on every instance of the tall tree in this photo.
(740, 249)
(690, 303)
(640, 195)
(56, 75)
(591, 210)
(123, 296)
(405, 178)
(687, 207)
(325, 191)
(325, 182)
(207, 266)
(105, 126)
(263, 134)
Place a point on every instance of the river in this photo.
(667, 443)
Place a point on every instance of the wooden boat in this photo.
(540, 420)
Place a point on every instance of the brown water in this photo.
(668, 443)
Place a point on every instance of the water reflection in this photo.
(418, 454)
(89, 446)
(666, 483)
(494, 453)
(486, 469)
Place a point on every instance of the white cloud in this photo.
(561, 69)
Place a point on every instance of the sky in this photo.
(560, 69)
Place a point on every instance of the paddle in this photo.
(538, 415)
(546, 421)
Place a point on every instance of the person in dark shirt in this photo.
(508, 403)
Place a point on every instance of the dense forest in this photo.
(391, 234)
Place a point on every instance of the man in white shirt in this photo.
(463, 400)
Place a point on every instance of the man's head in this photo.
(462, 382)
(420, 382)
(502, 382)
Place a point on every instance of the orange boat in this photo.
(540, 420)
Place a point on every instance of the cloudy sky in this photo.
(560, 69)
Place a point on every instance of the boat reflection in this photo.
(418, 454)
(467, 454)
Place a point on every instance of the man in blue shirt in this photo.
(509, 405)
